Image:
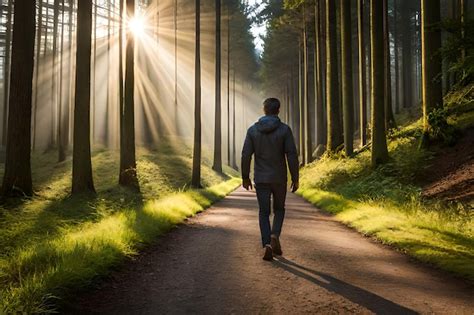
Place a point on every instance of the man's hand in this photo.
(295, 186)
(247, 184)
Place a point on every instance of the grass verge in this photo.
(386, 203)
(53, 244)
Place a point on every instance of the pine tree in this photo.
(217, 165)
(362, 75)
(431, 61)
(389, 117)
(17, 176)
(308, 151)
(196, 175)
(6, 70)
(82, 180)
(379, 140)
(128, 164)
(334, 130)
(347, 88)
(318, 71)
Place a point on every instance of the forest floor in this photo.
(213, 265)
(450, 176)
(53, 243)
(421, 202)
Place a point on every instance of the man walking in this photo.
(272, 143)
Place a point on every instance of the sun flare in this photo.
(137, 26)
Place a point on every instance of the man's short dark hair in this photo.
(271, 106)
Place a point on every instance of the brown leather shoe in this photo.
(268, 253)
(275, 243)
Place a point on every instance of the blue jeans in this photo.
(264, 194)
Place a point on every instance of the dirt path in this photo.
(213, 265)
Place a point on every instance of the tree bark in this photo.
(362, 75)
(38, 69)
(301, 104)
(107, 82)
(234, 157)
(334, 128)
(82, 180)
(128, 164)
(228, 85)
(347, 84)
(217, 165)
(62, 132)
(307, 121)
(379, 140)
(196, 174)
(389, 117)
(431, 61)
(6, 71)
(397, 57)
(54, 72)
(319, 77)
(17, 176)
(120, 70)
(407, 54)
(175, 21)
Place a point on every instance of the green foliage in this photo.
(53, 244)
(386, 203)
(460, 39)
(460, 106)
(440, 129)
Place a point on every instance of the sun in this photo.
(137, 26)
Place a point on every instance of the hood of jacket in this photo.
(268, 124)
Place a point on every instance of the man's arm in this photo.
(292, 157)
(247, 152)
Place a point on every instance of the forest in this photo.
(122, 119)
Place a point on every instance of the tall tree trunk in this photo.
(301, 104)
(379, 140)
(362, 75)
(347, 87)
(389, 117)
(334, 131)
(17, 176)
(175, 22)
(70, 80)
(234, 157)
(94, 76)
(407, 54)
(128, 164)
(6, 71)
(431, 61)
(462, 15)
(217, 165)
(120, 73)
(62, 133)
(54, 72)
(107, 83)
(228, 85)
(196, 176)
(307, 120)
(397, 57)
(82, 180)
(318, 78)
(38, 69)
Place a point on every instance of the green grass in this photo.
(386, 203)
(54, 244)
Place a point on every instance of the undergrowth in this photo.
(386, 202)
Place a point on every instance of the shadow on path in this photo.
(371, 301)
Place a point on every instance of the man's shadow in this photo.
(369, 300)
